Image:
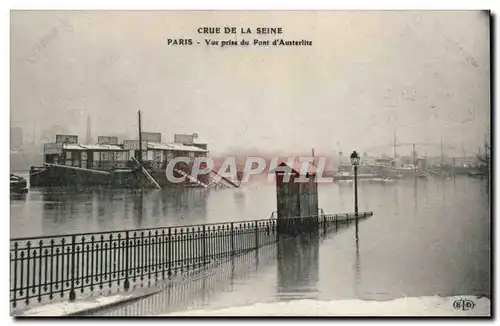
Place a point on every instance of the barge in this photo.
(132, 163)
(18, 185)
(108, 163)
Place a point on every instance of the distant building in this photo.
(421, 162)
(405, 160)
(385, 162)
(16, 138)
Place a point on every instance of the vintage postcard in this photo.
(250, 163)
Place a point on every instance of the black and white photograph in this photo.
(273, 163)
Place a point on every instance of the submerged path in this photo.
(76, 266)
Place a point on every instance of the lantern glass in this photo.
(354, 159)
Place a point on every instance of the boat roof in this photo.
(175, 147)
(73, 147)
(159, 145)
(103, 147)
(151, 145)
(199, 141)
(186, 148)
(79, 147)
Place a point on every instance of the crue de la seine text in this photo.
(238, 36)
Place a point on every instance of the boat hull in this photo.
(19, 186)
(51, 176)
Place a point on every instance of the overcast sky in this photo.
(427, 73)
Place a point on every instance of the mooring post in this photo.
(72, 294)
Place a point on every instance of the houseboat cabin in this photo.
(108, 155)
(66, 151)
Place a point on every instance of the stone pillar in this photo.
(297, 201)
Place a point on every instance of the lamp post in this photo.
(355, 163)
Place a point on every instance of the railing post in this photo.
(204, 247)
(126, 283)
(256, 245)
(169, 253)
(15, 274)
(324, 224)
(72, 294)
(28, 251)
(232, 238)
(256, 235)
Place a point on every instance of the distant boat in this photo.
(381, 180)
(18, 185)
(372, 181)
(345, 176)
(476, 174)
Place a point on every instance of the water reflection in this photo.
(298, 265)
(357, 262)
(443, 197)
(415, 196)
(239, 196)
(60, 209)
(344, 190)
(99, 210)
(53, 211)
(138, 209)
(396, 199)
(17, 197)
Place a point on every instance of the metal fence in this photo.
(198, 291)
(54, 267)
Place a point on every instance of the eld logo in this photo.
(463, 304)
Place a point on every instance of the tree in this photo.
(484, 158)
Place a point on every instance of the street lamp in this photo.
(355, 163)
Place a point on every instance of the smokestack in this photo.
(89, 136)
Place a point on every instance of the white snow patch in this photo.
(414, 306)
(65, 308)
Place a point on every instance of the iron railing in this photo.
(54, 267)
(194, 293)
